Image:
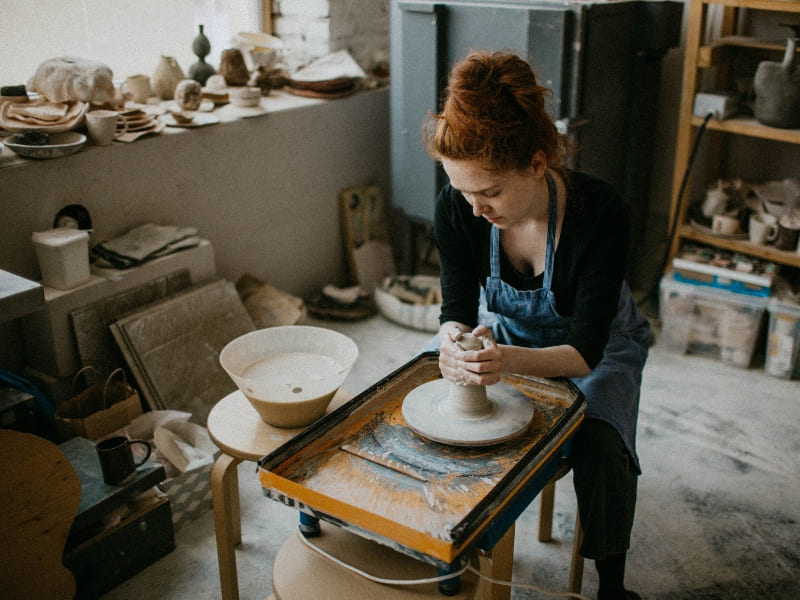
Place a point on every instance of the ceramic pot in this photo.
(233, 68)
(167, 76)
(777, 89)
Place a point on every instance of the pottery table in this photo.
(361, 468)
(235, 427)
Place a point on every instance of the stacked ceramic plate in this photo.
(139, 123)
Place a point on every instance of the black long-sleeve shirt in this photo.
(590, 261)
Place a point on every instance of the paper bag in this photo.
(99, 410)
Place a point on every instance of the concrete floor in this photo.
(718, 514)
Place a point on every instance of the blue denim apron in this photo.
(529, 318)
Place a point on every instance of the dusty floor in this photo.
(718, 514)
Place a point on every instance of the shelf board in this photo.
(770, 253)
(775, 5)
(750, 127)
(721, 50)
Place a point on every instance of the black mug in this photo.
(116, 458)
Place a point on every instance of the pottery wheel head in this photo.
(427, 412)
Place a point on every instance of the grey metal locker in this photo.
(601, 60)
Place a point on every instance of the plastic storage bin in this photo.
(713, 322)
(783, 340)
(63, 256)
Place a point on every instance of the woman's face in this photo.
(504, 198)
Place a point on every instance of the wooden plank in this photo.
(173, 347)
(96, 345)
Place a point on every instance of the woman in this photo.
(533, 258)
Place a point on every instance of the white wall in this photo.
(263, 190)
(128, 36)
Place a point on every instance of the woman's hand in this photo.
(469, 367)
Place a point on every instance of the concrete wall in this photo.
(263, 190)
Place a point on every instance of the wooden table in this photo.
(236, 428)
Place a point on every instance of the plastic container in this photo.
(704, 320)
(63, 256)
(783, 340)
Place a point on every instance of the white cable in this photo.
(528, 586)
(461, 571)
(374, 578)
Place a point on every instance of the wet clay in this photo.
(467, 415)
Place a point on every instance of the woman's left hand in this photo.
(476, 367)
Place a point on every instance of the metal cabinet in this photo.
(602, 61)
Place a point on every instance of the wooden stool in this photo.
(238, 431)
(546, 501)
(301, 573)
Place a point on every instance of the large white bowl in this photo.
(289, 374)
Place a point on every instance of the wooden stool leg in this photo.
(576, 567)
(546, 501)
(227, 521)
(503, 564)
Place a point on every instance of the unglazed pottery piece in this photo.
(467, 415)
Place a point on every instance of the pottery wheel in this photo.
(428, 412)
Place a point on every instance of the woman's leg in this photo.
(605, 480)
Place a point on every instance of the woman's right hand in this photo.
(449, 334)
(474, 367)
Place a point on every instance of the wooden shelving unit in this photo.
(718, 53)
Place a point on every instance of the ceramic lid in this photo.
(60, 236)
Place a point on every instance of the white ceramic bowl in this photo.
(245, 97)
(61, 144)
(774, 196)
(289, 374)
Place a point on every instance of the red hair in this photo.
(494, 111)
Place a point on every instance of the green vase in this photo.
(201, 70)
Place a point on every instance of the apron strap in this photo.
(494, 254)
(552, 221)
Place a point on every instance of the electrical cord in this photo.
(463, 569)
(679, 202)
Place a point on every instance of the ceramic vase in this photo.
(167, 76)
(233, 68)
(777, 89)
(201, 70)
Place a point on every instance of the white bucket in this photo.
(63, 256)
